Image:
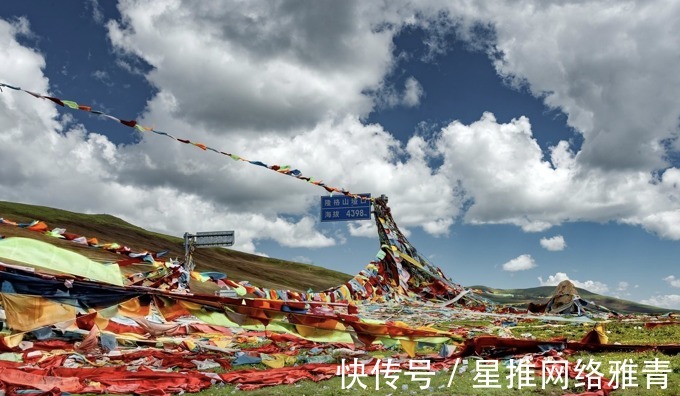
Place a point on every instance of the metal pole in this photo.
(186, 250)
(188, 259)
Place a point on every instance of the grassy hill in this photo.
(522, 297)
(261, 271)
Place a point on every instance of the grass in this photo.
(621, 332)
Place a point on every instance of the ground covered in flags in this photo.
(400, 326)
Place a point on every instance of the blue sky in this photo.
(516, 150)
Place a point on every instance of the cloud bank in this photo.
(672, 280)
(671, 301)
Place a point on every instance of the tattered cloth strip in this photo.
(399, 274)
(65, 289)
(256, 379)
(116, 380)
(40, 381)
(25, 313)
(47, 256)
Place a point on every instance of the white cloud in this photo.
(612, 97)
(623, 286)
(520, 263)
(271, 70)
(264, 66)
(590, 285)
(97, 14)
(315, 75)
(362, 229)
(413, 92)
(103, 77)
(302, 259)
(388, 96)
(672, 280)
(539, 193)
(671, 301)
(622, 100)
(554, 244)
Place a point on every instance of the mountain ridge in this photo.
(543, 293)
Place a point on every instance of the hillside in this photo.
(260, 271)
(521, 297)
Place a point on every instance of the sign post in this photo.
(344, 208)
(201, 240)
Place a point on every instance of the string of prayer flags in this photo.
(285, 170)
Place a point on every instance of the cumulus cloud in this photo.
(388, 96)
(554, 244)
(95, 8)
(606, 97)
(671, 301)
(520, 263)
(413, 92)
(290, 87)
(366, 229)
(266, 65)
(539, 193)
(623, 286)
(621, 100)
(590, 285)
(672, 280)
(302, 259)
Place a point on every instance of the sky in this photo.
(519, 144)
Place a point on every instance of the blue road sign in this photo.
(344, 208)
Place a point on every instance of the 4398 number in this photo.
(356, 212)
